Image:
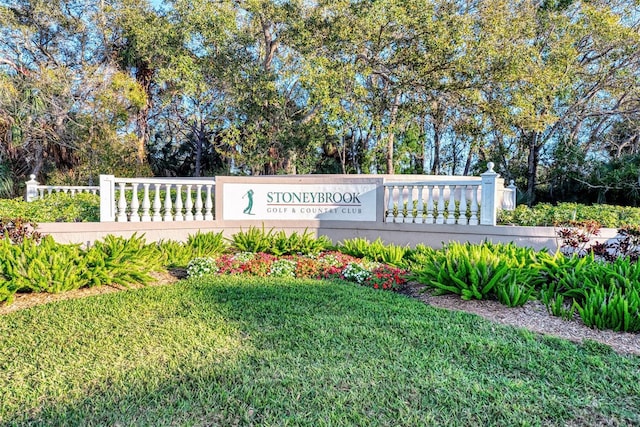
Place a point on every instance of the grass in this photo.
(251, 351)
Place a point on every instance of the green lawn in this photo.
(229, 351)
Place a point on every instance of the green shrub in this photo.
(116, 260)
(604, 294)
(376, 251)
(545, 214)
(45, 266)
(56, 207)
(258, 240)
(253, 240)
(206, 244)
(505, 272)
(174, 254)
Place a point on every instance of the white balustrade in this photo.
(162, 199)
(447, 200)
(432, 201)
(411, 199)
(34, 190)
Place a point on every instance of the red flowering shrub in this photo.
(386, 277)
(326, 265)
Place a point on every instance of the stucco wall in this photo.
(402, 234)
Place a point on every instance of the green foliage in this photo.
(278, 243)
(604, 294)
(56, 207)
(505, 272)
(544, 214)
(44, 266)
(206, 244)
(116, 260)
(375, 251)
(305, 243)
(253, 240)
(174, 254)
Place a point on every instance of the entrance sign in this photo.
(330, 202)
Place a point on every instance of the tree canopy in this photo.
(548, 90)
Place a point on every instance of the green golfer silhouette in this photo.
(249, 195)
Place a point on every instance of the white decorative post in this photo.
(107, 198)
(32, 189)
(489, 198)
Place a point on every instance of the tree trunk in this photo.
(392, 133)
(144, 77)
(199, 136)
(532, 165)
(435, 166)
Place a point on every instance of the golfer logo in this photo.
(249, 196)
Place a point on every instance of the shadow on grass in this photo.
(226, 351)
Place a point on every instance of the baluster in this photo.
(390, 216)
(156, 203)
(179, 216)
(135, 204)
(429, 219)
(420, 208)
(440, 219)
(462, 219)
(410, 205)
(122, 204)
(168, 215)
(401, 214)
(73, 192)
(146, 204)
(208, 205)
(451, 217)
(199, 216)
(188, 205)
(474, 205)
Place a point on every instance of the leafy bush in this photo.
(376, 251)
(498, 271)
(206, 244)
(258, 240)
(305, 243)
(56, 207)
(116, 260)
(42, 266)
(174, 254)
(545, 214)
(604, 294)
(253, 240)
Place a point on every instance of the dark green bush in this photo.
(504, 272)
(544, 214)
(604, 294)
